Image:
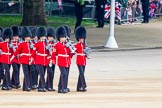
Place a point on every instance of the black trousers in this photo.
(100, 15)
(15, 74)
(41, 70)
(33, 75)
(1, 72)
(26, 80)
(68, 69)
(81, 78)
(6, 78)
(145, 7)
(63, 79)
(50, 76)
(79, 14)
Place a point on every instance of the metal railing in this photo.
(11, 8)
(52, 9)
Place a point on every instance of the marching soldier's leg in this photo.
(6, 79)
(63, 80)
(26, 83)
(33, 77)
(50, 77)
(81, 80)
(41, 70)
(1, 74)
(15, 76)
(68, 69)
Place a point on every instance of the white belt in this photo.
(63, 55)
(6, 53)
(80, 54)
(25, 54)
(41, 54)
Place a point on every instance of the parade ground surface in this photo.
(115, 79)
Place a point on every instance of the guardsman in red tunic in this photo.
(69, 45)
(33, 71)
(15, 81)
(6, 52)
(1, 70)
(24, 51)
(40, 55)
(80, 35)
(51, 67)
(62, 52)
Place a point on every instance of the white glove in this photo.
(12, 58)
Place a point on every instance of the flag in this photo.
(11, 3)
(107, 11)
(117, 10)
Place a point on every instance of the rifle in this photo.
(48, 46)
(31, 44)
(13, 47)
(50, 49)
(87, 50)
(69, 44)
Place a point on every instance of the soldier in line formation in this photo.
(37, 51)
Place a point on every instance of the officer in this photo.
(15, 81)
(100, 8)
(79, 4)
(50, 68)
(80, 35)
(145, 7)
(24, 51)
(5, 58)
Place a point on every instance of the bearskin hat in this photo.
(51, 32)
(7, 33)
(80, 32)
(68, 30)
(42, 31)
(1, 31)
(16, 31)
(33, 31)
(25, 32)
(60, 32)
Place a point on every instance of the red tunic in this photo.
(63, 54)
(81, 57)
(25, 52)
(15, 44)
(40, 54)
(6, 52)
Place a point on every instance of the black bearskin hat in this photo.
(60, 32)
(80, 32)
(68, 30)
(7, 33)
(16, 31)
(51, 32)
(33, 31)
(25, 32)
(1, 31)
(42, 31)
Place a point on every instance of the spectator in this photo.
(160, 7)
(100, 6)
(79, 4)
(145, 8)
